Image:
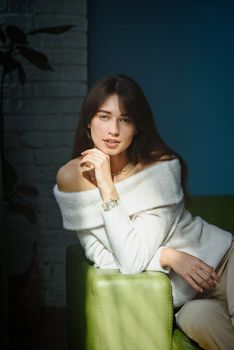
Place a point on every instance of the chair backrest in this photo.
(215, 209)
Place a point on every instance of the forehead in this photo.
(113, 104)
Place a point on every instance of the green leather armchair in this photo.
(107, 310)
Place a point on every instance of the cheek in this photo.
(96, 128)
(129, 135)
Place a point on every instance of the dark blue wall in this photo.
(182, 54)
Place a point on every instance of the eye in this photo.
(104, 117)
(126, 120)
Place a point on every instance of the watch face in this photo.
(110, 205)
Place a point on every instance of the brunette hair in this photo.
(147, 145)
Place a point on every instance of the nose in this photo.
(114, 128)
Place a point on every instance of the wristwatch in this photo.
(111, 204)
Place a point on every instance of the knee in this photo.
(200, 317)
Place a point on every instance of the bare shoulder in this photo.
(69, 178)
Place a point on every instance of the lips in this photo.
(111, 141)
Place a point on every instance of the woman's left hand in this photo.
(193, 270)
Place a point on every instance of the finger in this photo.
(193, 284)
(88, 150)
(207, 280)
(94, 151)
(89, 160)
(87, 165)
(211, 272)
(93, 158)
(89, 175)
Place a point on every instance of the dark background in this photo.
(182, 54)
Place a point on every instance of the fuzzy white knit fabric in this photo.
(151, 215)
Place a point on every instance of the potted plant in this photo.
(15, 197)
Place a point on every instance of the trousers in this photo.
(209, 319)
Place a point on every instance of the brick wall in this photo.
(40, 120)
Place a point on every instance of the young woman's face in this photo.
(112, 131)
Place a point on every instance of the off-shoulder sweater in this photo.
(150, 216)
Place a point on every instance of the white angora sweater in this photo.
(151, 215)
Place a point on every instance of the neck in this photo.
(118, 163)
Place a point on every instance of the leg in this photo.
(230, 285)
(208, 323)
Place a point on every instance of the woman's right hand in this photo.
(98, 164)
(193, 270)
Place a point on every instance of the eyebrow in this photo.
(103, 111)
(108, 112)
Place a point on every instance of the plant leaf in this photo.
(8, 62)
(16, 35)
(10, 176)
(22, 208)
(2, 36)
(26, 190)
(21, 74)
(52, 30)
(37, 58)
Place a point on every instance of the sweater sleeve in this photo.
(136, 241)
(95, 251)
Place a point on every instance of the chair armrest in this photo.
(110, 310)
(181, 342)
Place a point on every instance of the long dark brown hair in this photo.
(147, 145)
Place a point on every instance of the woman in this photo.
(124, 193)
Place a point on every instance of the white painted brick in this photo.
(47, 240)
(58, 123)
(3, 5)
(33, 140)
(24, 21)
(29, 172)
(44, 188)
(76, 73)
(25, 6)
(40, 122)
(65, 56)
(36, 43)
(19, 222)
(49, 172)
(20, 237)
(72, 89)
(70, 237)
(50, 139)
(52, 7)
(18, 91)
(36, 75)
(69, 137)
(49, 220)
(38, 106)
(48, 157)
(19, 123)
(57, 253)
(22, 157)
(79, 7)
(80, 22)
(47, 105)
(58, 288)
(70, 39)
(12, 141)
(66, 138)
(46, 272)
(46, 205)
